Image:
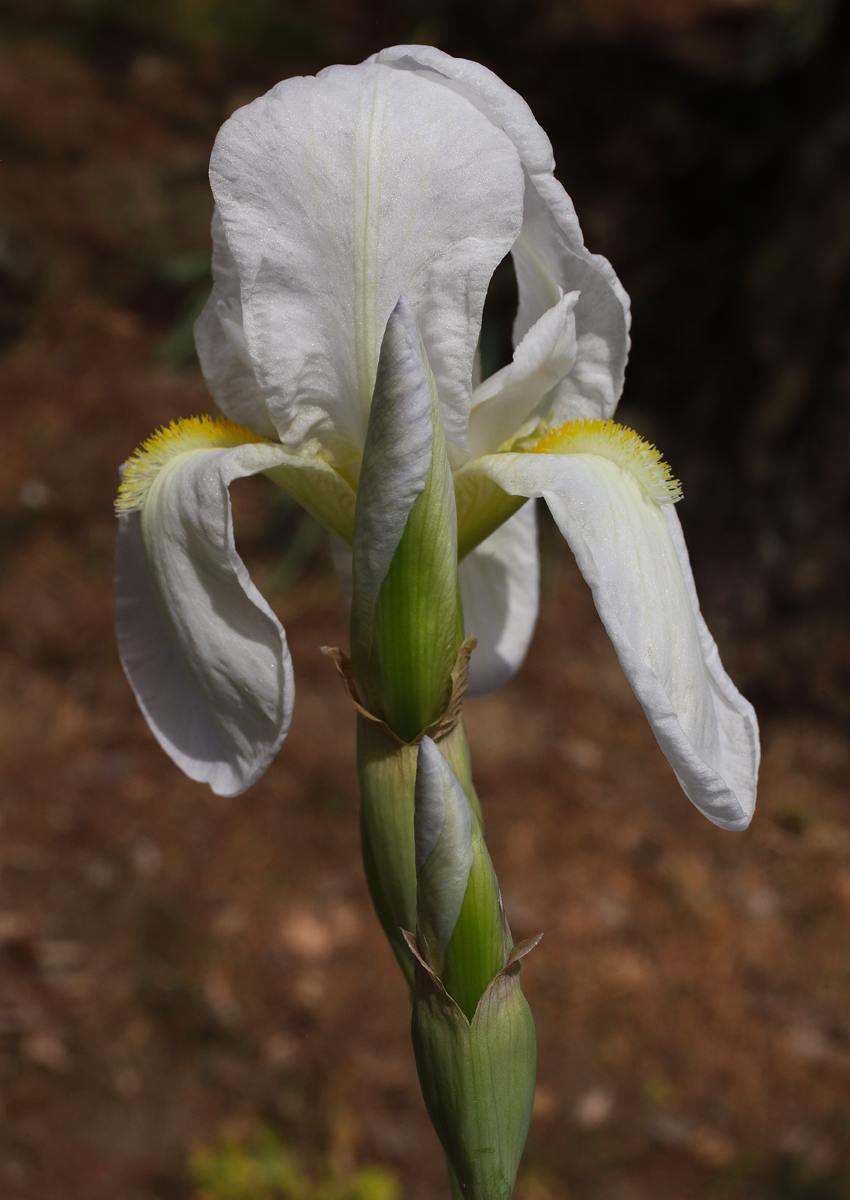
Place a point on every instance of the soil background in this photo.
(176, 968)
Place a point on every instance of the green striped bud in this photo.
(459, 921)
(406, 618)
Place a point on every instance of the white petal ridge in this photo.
(204, 653)
(631, 552)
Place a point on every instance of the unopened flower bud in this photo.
(460, 924)
(406, 620)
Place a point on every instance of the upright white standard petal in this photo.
(507, 399)
(622, 542)
(204, 653)
(337, 195)
(550, 255)
(500, 590)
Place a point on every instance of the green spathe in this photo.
(442, 829)
(477, 1076)
(481, 941)
(460, 925)
(406, 619)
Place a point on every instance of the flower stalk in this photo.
(424, 854)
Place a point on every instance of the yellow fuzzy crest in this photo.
(180, 437)
(622, 446)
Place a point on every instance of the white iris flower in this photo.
(411, 175)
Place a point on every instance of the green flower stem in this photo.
(424, 854)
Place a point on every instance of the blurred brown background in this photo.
(178, 969)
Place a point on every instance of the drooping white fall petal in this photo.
(737, 723)
(336, 195)
(630, 551)
(205, 655)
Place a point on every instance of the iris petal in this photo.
(507, 399)
(336, 195)
(631, 553)
(204, 653)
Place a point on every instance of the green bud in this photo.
(460, 923)
(477, 1076)
(387, 776)
(442, 829)
(406, 618)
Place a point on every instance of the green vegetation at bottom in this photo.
(265, 1169)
